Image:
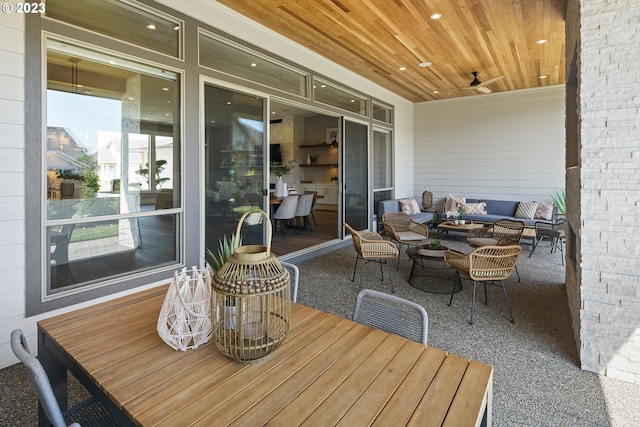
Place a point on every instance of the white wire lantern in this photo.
(251, 307)
(427, 198)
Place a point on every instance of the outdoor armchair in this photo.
(403, 230)
(485, 265)
(554, 233)
(504, 232)
(371, 247)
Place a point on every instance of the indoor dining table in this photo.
(329, 371)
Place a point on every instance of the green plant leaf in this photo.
(226, 246)
(560, 199)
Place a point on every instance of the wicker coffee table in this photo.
(429, 272)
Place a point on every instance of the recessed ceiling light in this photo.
(273, 112)
(424, 64)
(130, 98)
(353, 100)
(228, 102)
(435, 91)
(541, 41)
(543, 77)
(436, 16)
(177, 27)
(151, 27)
(167, 114)
(253, 64)
(402, 68)
(165, 88)
(323, 85)
(168, 102)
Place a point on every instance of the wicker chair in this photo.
(503, 232)
(392, 314)
(403, 230)
(88, 412)
(488, 264)
(371, 247)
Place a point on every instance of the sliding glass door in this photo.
(355, 175)
(234, 132)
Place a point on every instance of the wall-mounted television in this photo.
(276, 153)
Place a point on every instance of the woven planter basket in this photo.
(185, 317)
(251, 301)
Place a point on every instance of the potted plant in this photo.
(279, 170)
(461, 214)
(560, 200)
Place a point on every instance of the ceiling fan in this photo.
(480, 86)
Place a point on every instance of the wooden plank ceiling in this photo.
(375, 38)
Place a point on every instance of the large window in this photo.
(122, 21)
(112, 167)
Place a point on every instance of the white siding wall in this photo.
(12, 215)
(505, 146)
(12, 260)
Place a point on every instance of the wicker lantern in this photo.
(427, 198)
(251, 306)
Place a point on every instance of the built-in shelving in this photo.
(319, 165)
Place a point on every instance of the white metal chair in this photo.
(87, 413)
(303, 210)
(295, 274)
(286, 212)
(392, 314)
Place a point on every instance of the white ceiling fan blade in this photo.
(483, 89)
(486, 82)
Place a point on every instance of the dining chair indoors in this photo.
(294, 272)
(485, 265)
(313, 206)
(303, 210)
(87, 413)
(286, 212)
(403, 230)
(392, 314)
(371, 247)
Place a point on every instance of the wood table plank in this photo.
(434, 406)
(182, 410)
(472, 396)
(407, 397)
(271, 404)
(338, 403)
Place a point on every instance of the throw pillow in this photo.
(544, 211)
(474, 208)
(409, 206)
(451, 202)
(526, 210)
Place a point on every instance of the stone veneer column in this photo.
(603, 269)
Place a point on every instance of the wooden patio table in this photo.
(330, 371)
